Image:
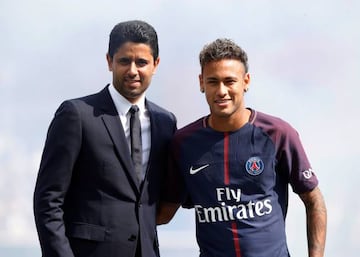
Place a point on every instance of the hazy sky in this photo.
(304, 63)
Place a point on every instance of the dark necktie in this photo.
(135, 139)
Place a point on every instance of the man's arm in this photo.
(316, 219)
(166, 212)
(59, 155)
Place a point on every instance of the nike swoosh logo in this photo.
(194, 171)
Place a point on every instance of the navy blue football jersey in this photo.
(237, 183)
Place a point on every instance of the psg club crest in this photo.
(254, 166)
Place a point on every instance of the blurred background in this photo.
(304, 62)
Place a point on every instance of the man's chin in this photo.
(133, 96)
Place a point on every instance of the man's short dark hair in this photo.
(135, 31)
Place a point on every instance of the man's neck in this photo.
(229, 123)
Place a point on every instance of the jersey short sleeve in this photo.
(292, 163)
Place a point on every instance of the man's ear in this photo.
(201, 82)
(109, 60)
(246, 82)
(156, 64)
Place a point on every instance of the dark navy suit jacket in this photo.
(87, 200)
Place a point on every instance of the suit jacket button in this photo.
(132, 238)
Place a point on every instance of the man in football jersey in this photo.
(234, 166)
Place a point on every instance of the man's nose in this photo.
(222, 89)
(133, 69)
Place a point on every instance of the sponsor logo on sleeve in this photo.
(308, 173)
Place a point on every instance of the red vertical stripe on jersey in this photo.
(227, 182)
(236, 239)
(226, 159)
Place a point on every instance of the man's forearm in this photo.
(166, 212)
(316, 216)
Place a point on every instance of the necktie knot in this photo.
(134, 109)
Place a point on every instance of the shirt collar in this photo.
(122, 104)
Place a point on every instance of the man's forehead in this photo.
(225, 66)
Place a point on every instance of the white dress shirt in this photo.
(123, 106)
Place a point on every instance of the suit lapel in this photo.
(112, 122)
(154, 122)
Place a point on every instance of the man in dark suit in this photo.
(89, 199)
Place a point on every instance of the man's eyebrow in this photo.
(123, 58)
(211, 78)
